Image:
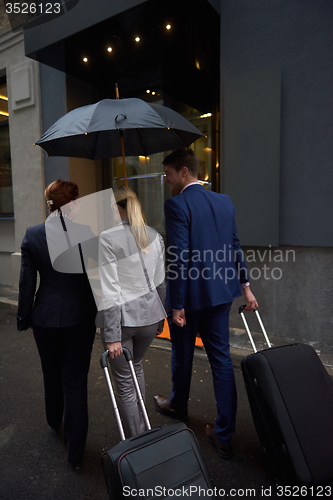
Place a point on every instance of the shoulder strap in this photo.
(69, 243)
(144, 269)
(140, 255)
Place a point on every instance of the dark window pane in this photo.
(6, 189)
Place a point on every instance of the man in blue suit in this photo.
(206, 272)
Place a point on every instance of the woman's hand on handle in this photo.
(115, 349)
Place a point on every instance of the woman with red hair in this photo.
(62, 317)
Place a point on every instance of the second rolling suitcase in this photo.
(291, 399)
(159, 463)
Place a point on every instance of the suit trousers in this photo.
(213, 325)
(137, 340)
(65, 358)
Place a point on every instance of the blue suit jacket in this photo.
(205, 262)
(62, 299)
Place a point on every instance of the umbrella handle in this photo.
(121, 136)
(122, 144)
(123, 153)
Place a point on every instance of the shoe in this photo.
(223, 449)
(54, 424)
(54, 429)
(76, 466)
(163, 406)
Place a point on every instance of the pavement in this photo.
(240, 345)
(33, 458)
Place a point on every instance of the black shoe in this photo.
(54, 429)
(54, 424)
(76, 466)
(163, 406)
(223, 449)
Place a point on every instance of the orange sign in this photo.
(166, 334)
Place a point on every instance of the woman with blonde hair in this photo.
(132, 273)
(62, 317)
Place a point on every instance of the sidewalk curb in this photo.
(237, 354)
(8, 304)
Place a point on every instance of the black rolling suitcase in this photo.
(159, 463)
(291, 399)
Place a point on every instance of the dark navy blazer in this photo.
(62, 299)
(205, 261)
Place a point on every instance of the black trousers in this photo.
(65, 357)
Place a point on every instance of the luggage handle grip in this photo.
(138, 436)
(241, 312)
(104, 357)
(241, 309)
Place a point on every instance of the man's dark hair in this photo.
(183, 158)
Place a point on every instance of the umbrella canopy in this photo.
(94, 131)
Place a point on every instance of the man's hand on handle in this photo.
(251, 301)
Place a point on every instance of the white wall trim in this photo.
(9, 39)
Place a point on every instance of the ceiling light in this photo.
(137, 39)
(147, 91)
(109, 49)
(4, 97)
(153, 93)
(168, 27)
(85, 59)
(206, 115)
(4, 113)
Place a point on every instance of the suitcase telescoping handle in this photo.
(241, 312)
(129, 359)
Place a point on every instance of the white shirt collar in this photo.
(188, 185)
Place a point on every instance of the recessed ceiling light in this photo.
(137, 39)
(85, 59)
(168, 27)
(109, 49)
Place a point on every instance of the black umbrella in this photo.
(118, 127)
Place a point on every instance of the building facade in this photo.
(21, 168)
(253, 76)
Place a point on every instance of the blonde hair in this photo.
(127, 199)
